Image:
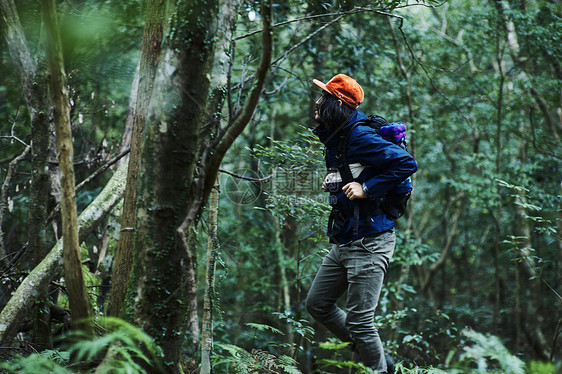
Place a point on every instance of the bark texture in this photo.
(217, 96)
(165, 190)
(209, 298)
(170, 196)
(150, 56)
(77, 295)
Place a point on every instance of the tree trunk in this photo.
(127, 136)
(167, 170)
(287, 240)
(557, 352)
(150, 55)
(209, 296)
(534, 333)
(38, 204)
(221, 66)
(530, 280)
(35, 284)
(284, 239)
(77, 295)
(498, 162)
(170, 198)
(450, 237)
(217, 95)
(19, 50)
(35, 90)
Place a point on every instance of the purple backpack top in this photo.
(393, 132)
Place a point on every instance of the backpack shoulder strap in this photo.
(341, 155)
(375, 122)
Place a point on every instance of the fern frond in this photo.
(289, 365)
(262, 327)
(35, 363)
(490, 346)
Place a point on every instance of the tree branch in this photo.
(317, 16)
(444, 250)
(212, 158)
(240, 123)
(35, 284)
(4, 197)
(513, 44)
(539, 149)
(257, 180)
(81, 185)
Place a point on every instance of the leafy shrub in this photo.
(241, 361)
(488, 354)
(131, 350)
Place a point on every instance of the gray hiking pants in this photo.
(359, 269)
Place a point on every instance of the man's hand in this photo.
(353, 190)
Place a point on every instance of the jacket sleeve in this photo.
(390, 164)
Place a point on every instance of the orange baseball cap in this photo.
(343, 87)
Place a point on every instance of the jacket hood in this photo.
(328, 138)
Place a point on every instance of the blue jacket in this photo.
(387, 165)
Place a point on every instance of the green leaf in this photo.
(262, 327)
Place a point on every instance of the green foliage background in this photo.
(489, 166)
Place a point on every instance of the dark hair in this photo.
(332, 112)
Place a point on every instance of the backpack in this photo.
(395, 202)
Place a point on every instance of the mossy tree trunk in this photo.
(150, 56)
(77, 295)
(170, 197)
(209, 296)
(217, 95)
(166, 177)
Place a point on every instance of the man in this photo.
(362, 233)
